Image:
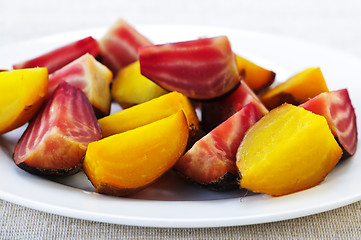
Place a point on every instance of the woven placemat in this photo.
(19, 222)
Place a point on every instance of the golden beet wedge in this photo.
(21, 94)
(125, 163)
(130, 87)
(148, 112)
(297, 89)
(288, 150)
(256, 77)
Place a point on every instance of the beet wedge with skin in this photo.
(61, 56)
(119, 46)
(289, 150)
(200, 69)
(130, 87)
(297, 89)
(337, 108)
(211, 162)
(128, 162)
(257, 77)
(150, 111)
(22, 92)
(89, 75)
(56, 140)
(217, 111)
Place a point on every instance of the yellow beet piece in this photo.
(21, 94)
(127, 162)
(297, 89)
(130, 87)
(256, 77)
(148, 112)
(288, 150)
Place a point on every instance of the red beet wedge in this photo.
(200, 69)
(61, 56)
(211, 162)
(55, 141)
(89, 75)
(119, 46)
(337, 108)
(217, 111)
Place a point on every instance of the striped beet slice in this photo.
(55, 141)
(217, 111)
(59, 57)
(119, 46)
(200, 69)
(211, 162)
(337, 108)
(89, 75)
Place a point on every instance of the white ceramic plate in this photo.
(170, 202)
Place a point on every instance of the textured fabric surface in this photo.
(330, 23)
(18, 222)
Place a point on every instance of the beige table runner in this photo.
(18, 222)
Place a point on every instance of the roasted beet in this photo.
(211, 162)
(337, 108)
(217, 111)
(200, 69)
(61, 56)
(89, 75)
(55, 141)
(119, 46)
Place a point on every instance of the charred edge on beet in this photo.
(111, 190)
(28, 107)
(98, 113)
(271, 80)
(288, 98)
(126, 105)
(195, 134)
(266, 86)
(49, 172)
(242, 74)
(227, 182)
(345, 154)
(99, 58)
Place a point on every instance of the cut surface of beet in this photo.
(200, 69)
(57, 138)
(337, 108)
(214, 155)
